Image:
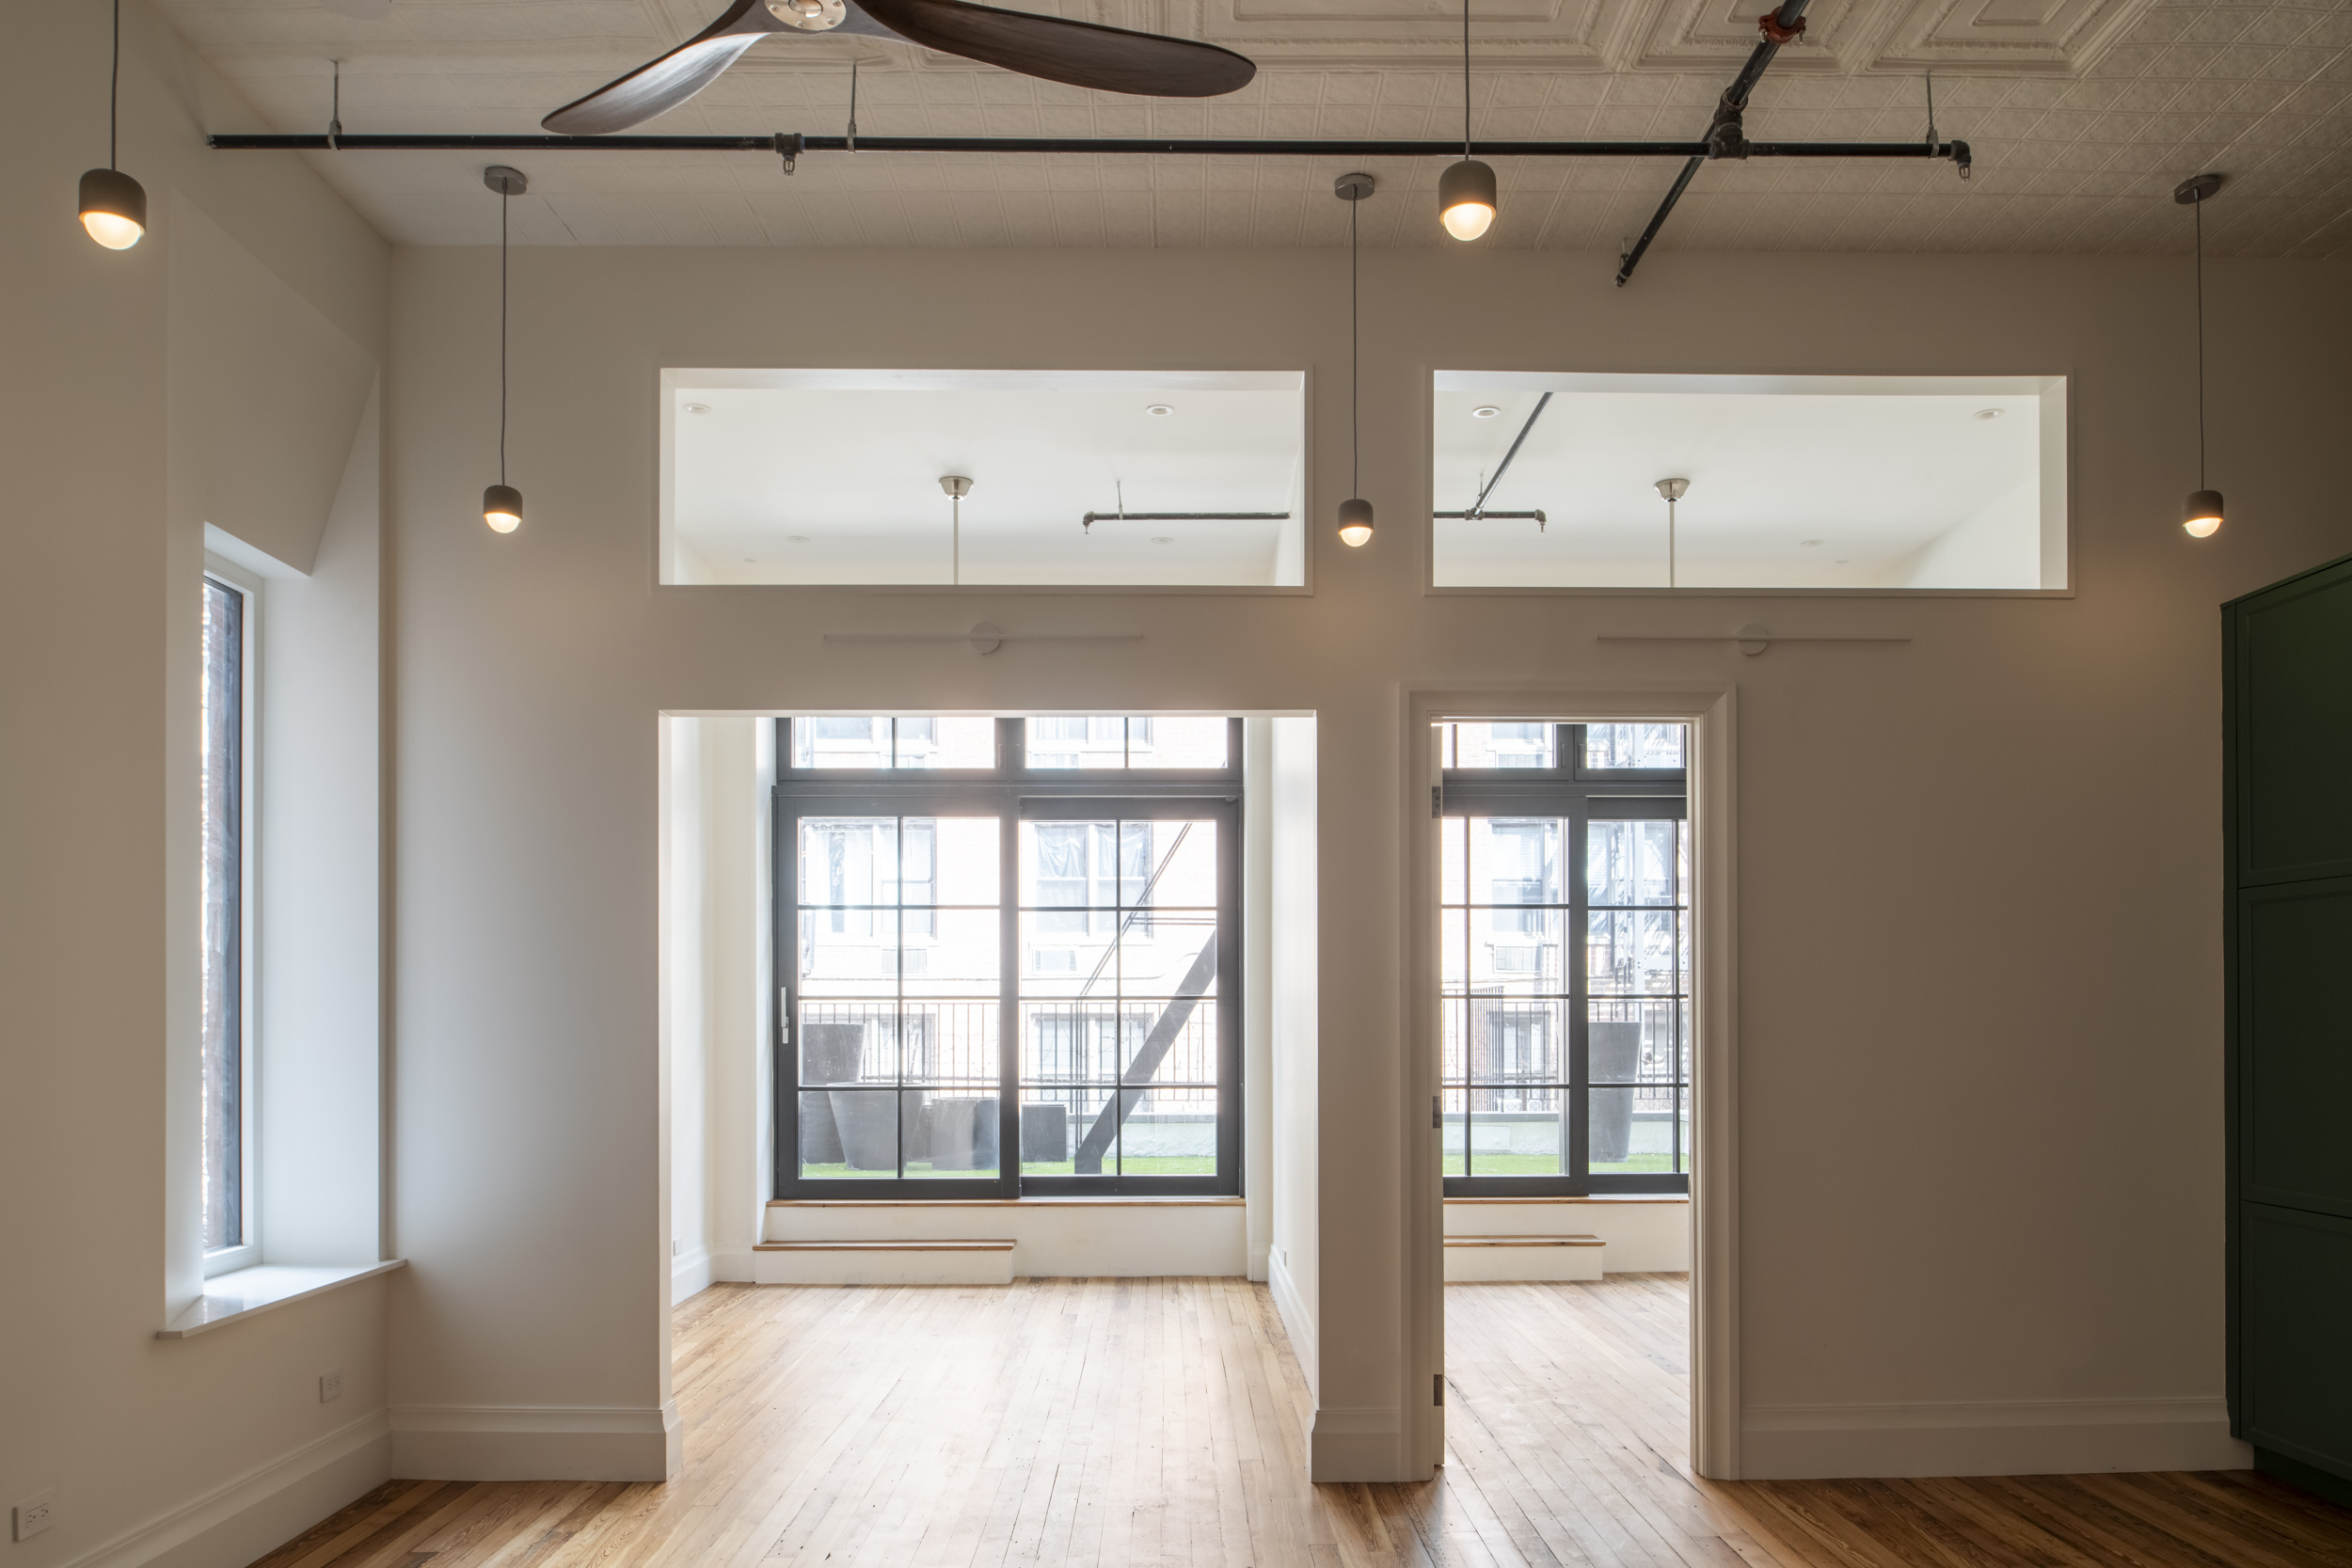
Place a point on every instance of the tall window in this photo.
(1010, 952)
(223, 792)
(1565, 887)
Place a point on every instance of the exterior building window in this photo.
(227, 1057)
(1566, 927)
(1008, 980)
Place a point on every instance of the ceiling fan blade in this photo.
(663, 84)
(1082, 53)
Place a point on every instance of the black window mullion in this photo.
(1574, 960)
(1008, 1037)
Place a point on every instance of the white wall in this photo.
(2028, 1005)
(1998, 545)
(1292, 962)
(214, 1447)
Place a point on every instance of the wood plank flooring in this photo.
(1146, 1422)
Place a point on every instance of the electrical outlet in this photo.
(34, 1514)
(331, 1386)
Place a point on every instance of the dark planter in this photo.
(1616, 1057)
(868, 1124)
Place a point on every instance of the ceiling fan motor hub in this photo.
(808, 16)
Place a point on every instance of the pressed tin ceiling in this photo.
(2083, 114)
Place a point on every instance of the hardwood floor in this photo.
(1118, 1422)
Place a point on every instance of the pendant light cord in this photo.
(1466, 139)
(503, 200)
(114, 89)
(2200, 205)
(1354, 396)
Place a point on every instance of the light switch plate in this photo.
(34, 1514)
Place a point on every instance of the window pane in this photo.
(849, 953)
(1455, 1021)
(1098, 741)
(1634, 745)
(863, 743)
(966, 851)
(849, 1133)
(849, 1043)
(1453, 961)
(1633, 952)
(1634, 863)
(848, 862)
(948, 1042)
(1176, 743)
(222, 793)
(1517, 1132)
(1637, 1041)
(1514, 1044)
(1454, 861)
(1454, 1135)
(878, 741)
(946, 743)
(951, 1135)
(950, 953)
(1056, 1123)
(1170, 1132)
(1516, 860)
(1517, 952)
(1514, 744)
(1076, 1042)
(1632, 1130)
(1167, 863)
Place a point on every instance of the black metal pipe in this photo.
(240, 141)
(1729, 110)
(1537, 517)
(1478, 507)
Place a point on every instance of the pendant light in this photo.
(1465, 192)
(958, 486)
(2202, 514)
(501, 503)
(1356, 512)
(114, 205)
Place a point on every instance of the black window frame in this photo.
(1570, 791)
(1013, 793)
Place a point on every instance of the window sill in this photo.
(230, 1296)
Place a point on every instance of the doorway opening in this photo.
(1570, 954)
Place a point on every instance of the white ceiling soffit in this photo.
(2083, 114)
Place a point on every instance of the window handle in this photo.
(1436, 1117)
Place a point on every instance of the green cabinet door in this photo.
(2288, 800)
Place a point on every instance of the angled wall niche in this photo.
(1193, 478)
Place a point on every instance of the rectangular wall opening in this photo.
(1153, 479)
(1878, 483)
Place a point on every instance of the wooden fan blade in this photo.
(1082, 53)
(666, 82)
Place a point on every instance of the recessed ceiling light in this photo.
(698, 409)
(1991, 413)
(1809, 543)
(1159, 411)
(1162, 539)
(1484, 411)
(796, 538)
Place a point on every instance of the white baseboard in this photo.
(735, 1266)
(485, 1442)
(2020, 1437)
(1361, 1444)
(1297, 1322)
(267, 1506)
(690, 1274)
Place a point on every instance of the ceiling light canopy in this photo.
(114, 205)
